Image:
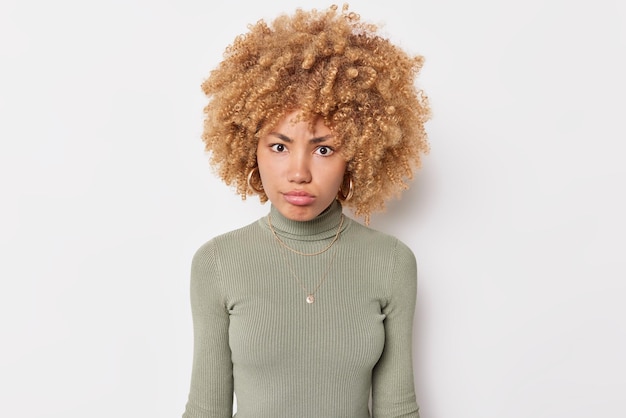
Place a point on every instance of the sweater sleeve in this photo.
(393, 392)
(211, 393)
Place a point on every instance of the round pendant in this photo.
(310, 299)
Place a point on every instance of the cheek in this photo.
(263, 163)
(337, 173)
(268, 174)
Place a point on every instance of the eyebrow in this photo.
(316, 140)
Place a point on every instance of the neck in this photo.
(323, 226)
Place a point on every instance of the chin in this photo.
(300, 213)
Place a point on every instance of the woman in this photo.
(306, 312)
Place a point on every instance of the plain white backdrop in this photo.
(516, 218)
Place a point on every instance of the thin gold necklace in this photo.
(280, 241)
(310, 295)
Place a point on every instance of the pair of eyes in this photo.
(323, 150)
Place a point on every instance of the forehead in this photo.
(297, 122)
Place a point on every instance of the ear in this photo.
(345, 195)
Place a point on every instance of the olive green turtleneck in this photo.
(255, 334)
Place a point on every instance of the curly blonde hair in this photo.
(330, 65)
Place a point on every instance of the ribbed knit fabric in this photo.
(255, 335)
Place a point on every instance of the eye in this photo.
(278, 147)
(324, 150)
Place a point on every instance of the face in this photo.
(301, 170)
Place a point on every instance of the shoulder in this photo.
(379, 241)
(381, 248)
(212, 257)
(223, 242)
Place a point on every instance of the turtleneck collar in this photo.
(321, 227)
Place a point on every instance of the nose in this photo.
(299, 169)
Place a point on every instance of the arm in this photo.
(211, 393)
(393, 392)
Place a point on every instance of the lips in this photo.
(299, 198)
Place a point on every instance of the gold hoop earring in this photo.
(250, 186)
(342, 195)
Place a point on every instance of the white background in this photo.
(517, 217)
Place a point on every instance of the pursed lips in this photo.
(298, 197)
